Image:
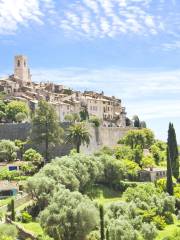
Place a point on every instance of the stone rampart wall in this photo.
(102, 136)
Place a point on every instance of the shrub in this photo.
(26, 217)
(8, 231)
(148, 215)
(20, 117)
(149, 231)
(32, 156)
(8, 150)
(95, 120)
(123, 185)
(159, 222)
(15, 107)
(94, 235)
(169, 218)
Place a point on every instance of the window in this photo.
(18, 63)
(25, 63)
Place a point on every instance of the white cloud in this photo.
(14, 13)
(112, 17)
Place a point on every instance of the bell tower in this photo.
(21, 69)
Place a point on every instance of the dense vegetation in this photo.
(64, 191)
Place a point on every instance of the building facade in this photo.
(65, 101)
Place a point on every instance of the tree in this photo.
(143, 124)
(45, 127)
(70, 215)
(173, 151)
(84, 115)
(78, 134)
(107, 234)
(169, 183)
(12, 210)
(2, 115)
(72, 118)
(8, 150)
(15, 107)
(34, 157)
(95, 120)
(139, 137)
(21, 145)
(20, 117)
(136, 122)
(101, 214)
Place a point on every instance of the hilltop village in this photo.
(62, 176)
(19, 86)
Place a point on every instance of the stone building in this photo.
(21, 69)
(152, 174)
(65, 101)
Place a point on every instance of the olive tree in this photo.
(70, 215)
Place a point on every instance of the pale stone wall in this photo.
(101, 136)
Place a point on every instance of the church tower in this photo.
(21, 69)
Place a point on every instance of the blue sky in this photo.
(128, 48)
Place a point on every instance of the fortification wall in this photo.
(102, 136)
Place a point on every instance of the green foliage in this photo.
(9, 175)
(159, 222)
(94, 235)
(121, 229)
(21, 145)
(105, 151)
(141, 137)
(177, 191)
(75, 172)
(2, 106)
(173, 151)
(169, 218)
(124, 152)
(174, 236)
(169, 182)
(20, 117)
(8, 150)
(70, 215)
(147, 162)
(33, 156)
(84, 115)
(15, 107)
(45, 127)
(26, 217)
(12, 210)
(149, 231)
(72, 118)
(2, 116)
(137, 123)
(138, 154)
(78, 134)
(101, 215)
(95, 120)
(8, 231)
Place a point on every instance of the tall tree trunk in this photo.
(78, 147)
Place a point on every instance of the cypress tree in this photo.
(169, 183)
(12, 210)
(173, 151)
(107, 234)
(101, 214)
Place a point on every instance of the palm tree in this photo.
(78, 134)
